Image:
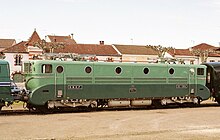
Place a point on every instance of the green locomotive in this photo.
(5, 84)
(56, 84)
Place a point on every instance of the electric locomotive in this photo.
(213, 79)
(5, 84)
(57, 84)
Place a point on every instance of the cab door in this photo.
(60, 82)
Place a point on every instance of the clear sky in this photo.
(175, 23)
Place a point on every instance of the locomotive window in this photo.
(146, 70)
(46, 68)
(209, 78)
(200, 71)
(88, 69)
(118, 70)
(171, 71)
(59, 69)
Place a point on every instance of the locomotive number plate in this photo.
(132, 89)
(75, 87)
(181, 86)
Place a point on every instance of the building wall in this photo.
(139, 58)
(10, 58)
(213, 59)
(188, 59)
(34, 51)
(109, 58)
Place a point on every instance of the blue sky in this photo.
(176, 23)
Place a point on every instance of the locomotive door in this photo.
(59, 82)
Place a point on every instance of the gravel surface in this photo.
(179, 123)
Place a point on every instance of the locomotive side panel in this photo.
(160, 81)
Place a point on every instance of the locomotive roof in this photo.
(3, 62)
(111, 63)
(214, 65)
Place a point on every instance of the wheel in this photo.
(217, 100)
(2, 103)
(93, 105)
(44, 109)
(197, 100)
(157, 103)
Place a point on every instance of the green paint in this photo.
(103, 82)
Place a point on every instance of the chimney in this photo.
(72, 36)
(190, 49)
(101, 42)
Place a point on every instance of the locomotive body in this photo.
(213, 79)
(5, 84)
(57, 84)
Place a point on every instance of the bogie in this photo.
(51, 106)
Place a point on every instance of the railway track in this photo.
(20, 111)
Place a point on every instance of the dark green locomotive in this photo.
(213, 79)
(56, 84)
(5, 84)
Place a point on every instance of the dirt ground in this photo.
(179, 123)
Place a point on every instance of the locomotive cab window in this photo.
(208, 79)
(46, 68)
(200, 71)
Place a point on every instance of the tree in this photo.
(42, 45)
(203, 54)
(55, 45)
(160, 50)
(48, 46)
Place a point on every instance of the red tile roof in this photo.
(62, 39)
(135, 50)
(183, 52)
(17, 48)
(214, 55)
(33, 39)
(5, 43)
(203, 46)
(91, 49)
